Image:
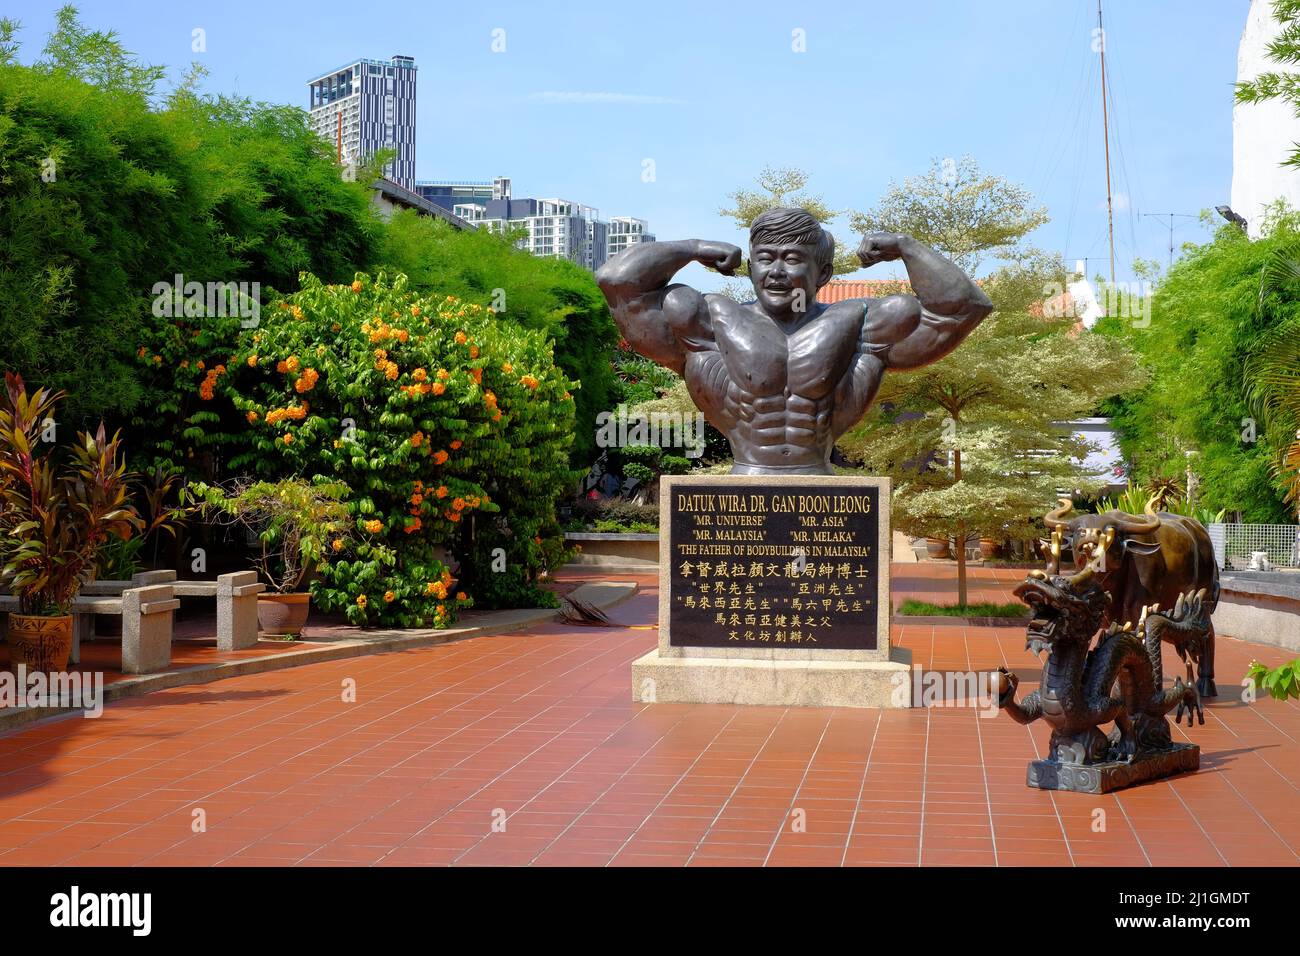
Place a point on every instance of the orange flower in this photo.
(252, 417)
(530, 382)
(477, 375)
(453, 516)
(438, 388)
(442, 491)
(288, 438)
(362, 601)
(416, 439)
(443, 374)
(417, 485)
(490, 397)
(455, 445)
(461, 338)
(374, 526)
(356, 286)
(390, 597)
(473, 351)
(417, 499)
(507, 368)
(252, 361)
(440, 457)
(297, 312)
(337, 545)
(282, 367)
(458, 504)
(419, 375)
(462, 596)
(414, 526)
(415, 310)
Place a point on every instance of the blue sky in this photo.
(712, 92)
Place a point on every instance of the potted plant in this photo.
(297, 524)
(937, 548)
(55, 519)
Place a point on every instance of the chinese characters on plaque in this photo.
(790, 566)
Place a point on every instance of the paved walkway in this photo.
(526, 749)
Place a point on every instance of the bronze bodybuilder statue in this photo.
(784, 376)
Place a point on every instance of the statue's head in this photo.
(790, 257)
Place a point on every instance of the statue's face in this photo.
(785, 276)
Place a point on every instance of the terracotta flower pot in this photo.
(41, 643)
(936, 547)
(989, 548)
(283, 614)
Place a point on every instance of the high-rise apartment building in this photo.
(557, 228)
(625, 231)
(366, 106)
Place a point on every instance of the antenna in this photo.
(1171, 215)
(1105, 127)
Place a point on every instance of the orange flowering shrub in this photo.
(405, 399)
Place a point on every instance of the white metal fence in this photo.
(1246, 546)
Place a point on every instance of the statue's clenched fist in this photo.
(722, 256)
(880, 247)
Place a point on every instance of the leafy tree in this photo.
(451, 428)
(959, 209)
(554, 296)
(1209, 325)
(782, 186)
(106, 194)
(977, 450)
(971, 440)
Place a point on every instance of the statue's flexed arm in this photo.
(924, 327)
(659, 318)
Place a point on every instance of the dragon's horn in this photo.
(1178, 606)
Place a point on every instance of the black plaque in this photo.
(781, 566)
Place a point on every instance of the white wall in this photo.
(1263, 134)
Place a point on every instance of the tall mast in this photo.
(1105, 127)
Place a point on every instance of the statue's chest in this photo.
(764, 360)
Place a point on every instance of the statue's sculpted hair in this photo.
(792, 225)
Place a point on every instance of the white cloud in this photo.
(582, 97)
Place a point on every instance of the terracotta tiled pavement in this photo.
(538, 728)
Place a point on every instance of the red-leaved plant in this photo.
(55, 516)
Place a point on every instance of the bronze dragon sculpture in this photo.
(1120, 680)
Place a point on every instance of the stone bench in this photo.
(147, 614)
(235, 594)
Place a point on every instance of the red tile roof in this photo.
(837, 290)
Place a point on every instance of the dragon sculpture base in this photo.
(1119, 680)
